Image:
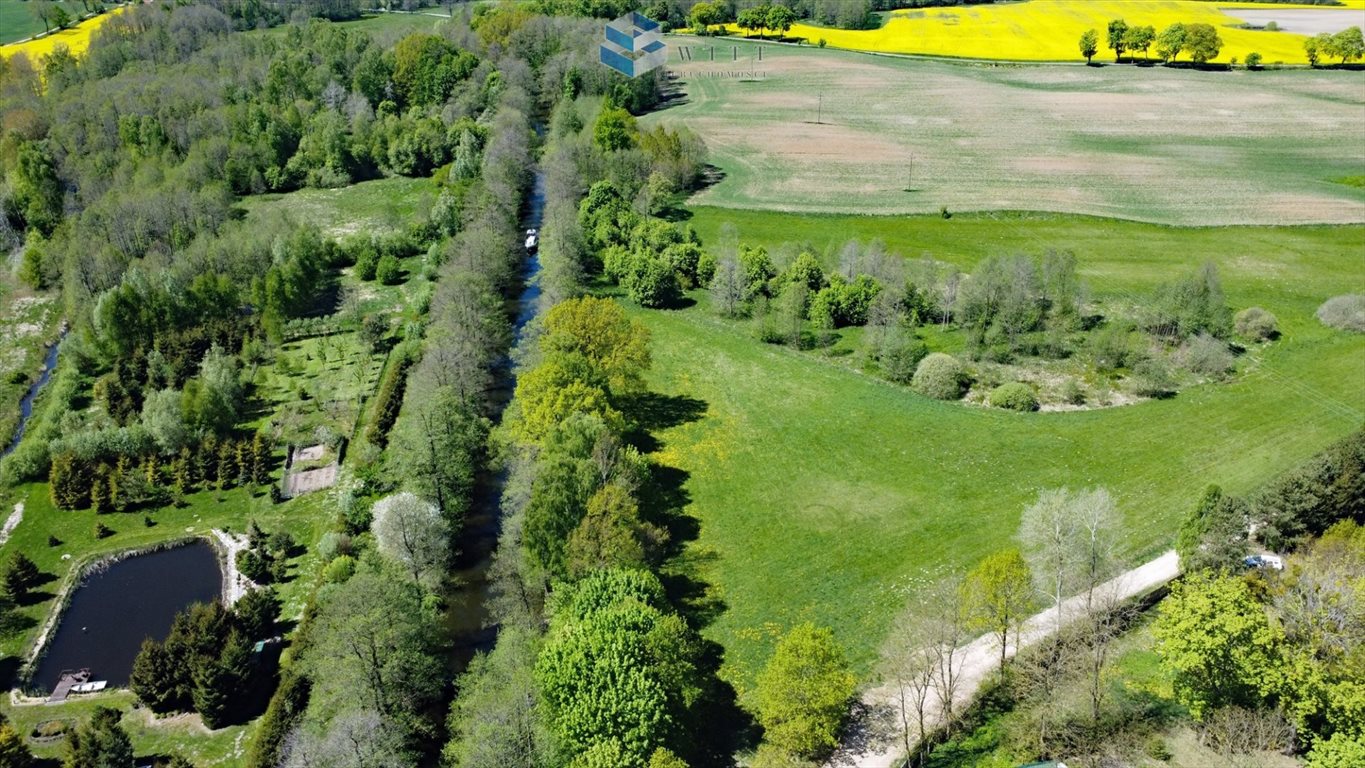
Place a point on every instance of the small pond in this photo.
(113, 611)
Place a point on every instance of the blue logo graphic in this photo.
(634, 45)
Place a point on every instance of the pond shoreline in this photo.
(76, 578)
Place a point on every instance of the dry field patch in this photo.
(834, 131)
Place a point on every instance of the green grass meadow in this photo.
(828, 495)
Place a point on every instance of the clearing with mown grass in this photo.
(1048, 30)
(827, 495)
(834, 131)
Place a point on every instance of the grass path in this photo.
(977, 660)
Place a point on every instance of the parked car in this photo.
(1273, 562)
(532, 239)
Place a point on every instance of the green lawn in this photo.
(370, 206)
(822, 130)
(185, 736)
(18, 22)
(828, 495)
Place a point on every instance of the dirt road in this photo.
(874, 746)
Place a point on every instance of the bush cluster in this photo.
(941, 377)
(1014, 396)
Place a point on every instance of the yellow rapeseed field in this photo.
(75, 38)
(1048, 30)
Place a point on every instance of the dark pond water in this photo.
(113, 611)
(26, 404)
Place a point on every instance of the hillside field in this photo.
(835, 131)
(829, 495)
(1048, 30)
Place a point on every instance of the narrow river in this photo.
(468, 612)
(26, 404)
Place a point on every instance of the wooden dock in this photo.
(68, 680)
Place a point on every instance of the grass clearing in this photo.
(184, 735)
(827, 495)
(1048, 30)
(381, 205)
(1121, 142)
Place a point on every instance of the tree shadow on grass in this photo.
(34, 597)
(653, 411)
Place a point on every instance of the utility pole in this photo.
(819, 108)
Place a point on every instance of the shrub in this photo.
(1270, 26)
(900, 357)
(340, 569)
(366, 262)
(1152, 378)
(1255, 324)
(334, 544)
(1014, 396)
(1207, 356)
(941, 377)
(1345, 313)
(1254, 59)
(388, 271)
(1073, 393)
(103, 531)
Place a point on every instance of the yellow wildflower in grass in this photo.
(75, 38)
(1047, 30)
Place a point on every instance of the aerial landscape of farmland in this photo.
(620, 384)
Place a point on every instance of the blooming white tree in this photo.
(414, 533)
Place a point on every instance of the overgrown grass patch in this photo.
(28, 322)
(373, 207)
(183, 735)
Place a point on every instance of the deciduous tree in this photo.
(1216, 641)
(803, 692)
(1118, 38)
(1090, 44)
(1000, 591)
(414, 534)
